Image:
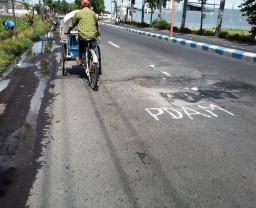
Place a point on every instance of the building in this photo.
(6, 9)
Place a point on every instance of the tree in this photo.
(142, 11)
(14, 17)
(184, 13)
(50, 4)
(132, 7)
(25, 4)
(220, 17)
(98, 5)
(248, 8)
(152, 5)
(73, 6)
(203, 2)
(161, 3)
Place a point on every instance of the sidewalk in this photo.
(242, 51)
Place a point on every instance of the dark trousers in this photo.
(82, 44)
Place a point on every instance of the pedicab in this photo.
(92, 57)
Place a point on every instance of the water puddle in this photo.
(36, 100)
(4, 84)
(44, 67)
(30, 58)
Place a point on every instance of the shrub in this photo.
(175, 29)
(161, 24)
(198, 32)
(208, 33)
(235, 36)
(15, 46)
(186, 30)
(5, 35)
(5, 60)
(223, 34)
(247, 38)
(143, 24)
(12, 47)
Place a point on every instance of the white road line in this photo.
(194, 88)
(113, 44)
(166, 73)
(153, 67)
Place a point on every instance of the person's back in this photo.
(87, 25)
(86, 22)
(8, 24)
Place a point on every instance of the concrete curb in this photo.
(237, 54)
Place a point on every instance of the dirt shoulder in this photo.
(20, 137)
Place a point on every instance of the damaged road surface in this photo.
(22, 94)
(167, 127)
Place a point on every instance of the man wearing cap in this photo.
(87, 26)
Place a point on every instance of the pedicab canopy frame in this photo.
(69, 42)
(64, 25)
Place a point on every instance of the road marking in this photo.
(189, 112)
(113, 44)
(166, 73)
(194, 88)
(153, 67)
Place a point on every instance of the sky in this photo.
(229, 3)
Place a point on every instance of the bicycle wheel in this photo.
(63, 59)
(93, 72)
(97, 51)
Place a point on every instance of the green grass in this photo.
(12, 47)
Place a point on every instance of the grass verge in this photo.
(12, 47)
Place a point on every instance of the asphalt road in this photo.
(168, 127)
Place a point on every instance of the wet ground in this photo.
(23, 96)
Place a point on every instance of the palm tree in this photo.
(220, 17)
(203, 2)
(184, 13)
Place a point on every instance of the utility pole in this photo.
(172, 20)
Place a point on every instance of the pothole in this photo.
(145, 81)
(234, 85)
(180, 72)
(194, 97)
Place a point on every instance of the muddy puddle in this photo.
(38, 58)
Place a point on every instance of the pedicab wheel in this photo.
(93, 73)
(97, 51)
(63, 58)
(93, 77)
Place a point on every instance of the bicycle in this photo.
(91, 61)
